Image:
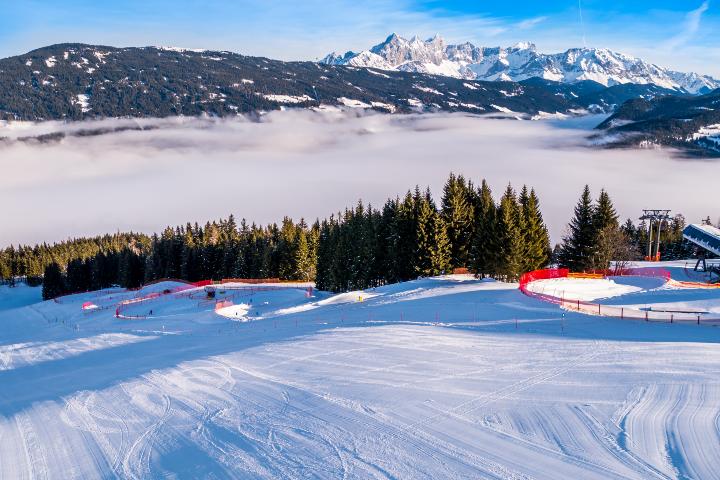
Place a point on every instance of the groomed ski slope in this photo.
(438, 378)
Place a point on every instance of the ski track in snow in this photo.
(348, 389)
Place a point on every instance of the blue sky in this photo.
(678, 34)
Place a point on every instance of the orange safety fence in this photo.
(652, 272)
(585, 275)
(255, 281)
(679, 283)
(250, 280)
(703, 281)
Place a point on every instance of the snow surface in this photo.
(352, 103)
(18, 296)
(708, 132)
(709, 229)
(501, 109)
(581, 288)
(288, 98)
(447, 377)
(84, 101)
(181, 49)
(546, 115)
(427, 89)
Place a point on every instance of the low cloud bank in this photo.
(144, 174)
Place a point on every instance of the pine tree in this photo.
(442, 252)
(579, 242)
(536, 241)
(303, 261)
(674, 246)
(325, 256)
(313, 240)
(386, 259)
(53, 282)
(509, 236)
(78, 276)
(423, 264)
(153, 269)
(458, 214)
(230, 240)
(405, 245)
(433, 245)
(368, 247)
(607, 233)
(5, 267)
(485, 244)
(132, 266)
(629, 228)
(604, 214)
(285, 255)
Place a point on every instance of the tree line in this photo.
(105, 253)
(409, 237)
(412, 237)
(221, 249)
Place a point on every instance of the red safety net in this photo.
(252, 280)
(621, 312)
(653, 272)
(542, 275)
(536, 275)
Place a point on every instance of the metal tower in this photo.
(654, 217)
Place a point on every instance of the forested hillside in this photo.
(691, 123)
(76, 81)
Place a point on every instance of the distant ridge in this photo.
(519, 62)
(76, 81)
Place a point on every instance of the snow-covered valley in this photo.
(448, 377)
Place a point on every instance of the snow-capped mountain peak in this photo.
(524, 46)
(397, 50)
(519, 62)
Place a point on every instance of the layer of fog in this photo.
(306, 164)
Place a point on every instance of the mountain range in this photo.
(78, 81)
(519, 62)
